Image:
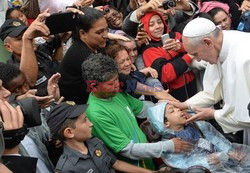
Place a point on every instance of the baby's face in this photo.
(174, 116)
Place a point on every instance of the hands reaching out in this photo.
(142, 37)
(201, 114)
(148, 70)
(52, 87)
(245, 6)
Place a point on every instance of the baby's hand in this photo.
(133, 67)
(153, 73)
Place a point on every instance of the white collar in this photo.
(225, 47)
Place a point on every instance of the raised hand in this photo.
(52, 87)
(37, 28)
(142, 37)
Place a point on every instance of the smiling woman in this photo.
(114, 18)
(90, 36)
(170, 59)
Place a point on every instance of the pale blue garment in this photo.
(198, 157)
(34, 144)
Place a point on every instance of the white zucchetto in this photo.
(198, 27)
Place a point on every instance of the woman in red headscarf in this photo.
(170, 60)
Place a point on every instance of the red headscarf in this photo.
(145, 20)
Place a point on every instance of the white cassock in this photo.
(229, 80)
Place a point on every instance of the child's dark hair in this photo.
(68, 123)
(8, 72)
(9, 11)
(204, 15)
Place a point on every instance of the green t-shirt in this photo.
(114, 122)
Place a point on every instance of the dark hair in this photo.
(99, 67)
(86, 21)
(67, 123)
(204, 15)
(8, 72)
(216, 10)
(114, 48)
(9, 11)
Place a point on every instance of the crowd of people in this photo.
(130, 86)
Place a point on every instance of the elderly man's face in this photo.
(203, 51)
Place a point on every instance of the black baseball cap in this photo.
(61, 112)
(12, 28)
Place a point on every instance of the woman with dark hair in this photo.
(230, 7)
(90, 36)
(221, 17)
(169, 58)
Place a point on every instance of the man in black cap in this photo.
(36, 63)
(82, 153)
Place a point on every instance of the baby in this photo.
(211, 149)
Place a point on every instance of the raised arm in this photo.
(28, 63)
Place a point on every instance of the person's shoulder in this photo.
(93, 102)
(63, 160)
(94, 141)
(96, 145)
(78, 48)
